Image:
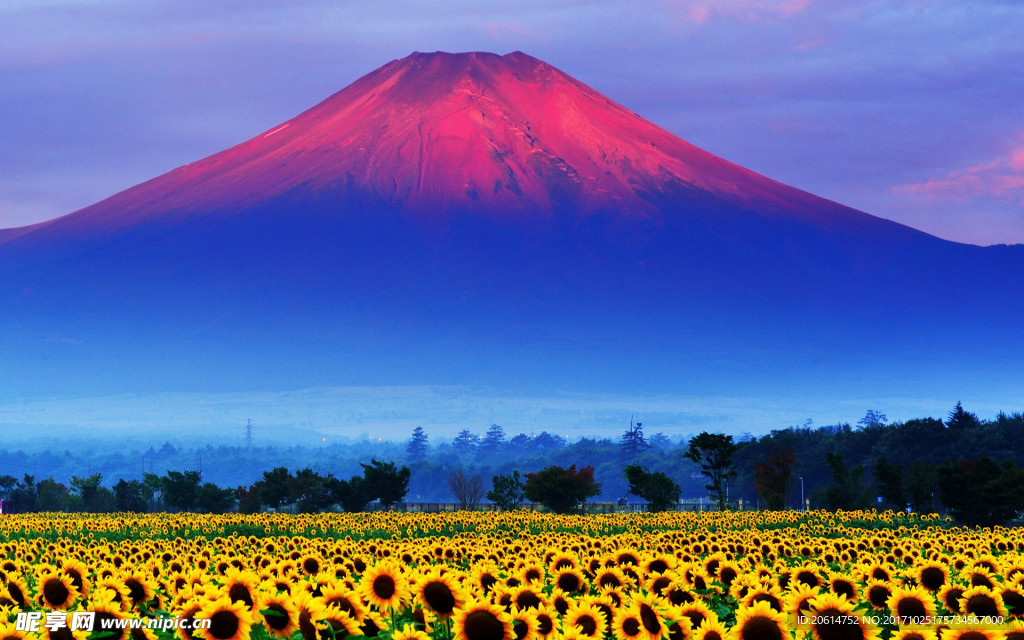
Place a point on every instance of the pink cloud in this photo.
(701, 11)
(1001, 178)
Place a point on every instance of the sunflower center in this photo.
(545, 624)
(910, 608)
(659, 584)
(658, 566)
(610, 580)
(16, 593)
(568, 582)
(136, 591)
(843, 588)
(240, 593)
(772, 601)
(55, 592)
(1014, 602)
(973, 635)
(306, 626)
(487, 581)
(712, 635)
(587, 624)
(841, 626)
(439, 597)
(384, 587)
(913, 635)
(727, 575)
(981, 605)
(932, 578)
(952, 599)
(223, 624)
(696, 618)
(76, 577)
(483, 625)
(521, 629)
(650, 619)
(878, 595)
(279, 621)
(101, 622)
(631, 627)
(760, 628)
(527, 600)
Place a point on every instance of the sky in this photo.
(909, 110)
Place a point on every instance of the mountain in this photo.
(482, 219)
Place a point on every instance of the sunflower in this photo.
(524, 624)
(338, 624)
(710, 630)
(769, 594)
(915, 634)
(310, 613)
(911, 605)
(310, 564)
(571, 580)
(932, 575)
(834, 618)
(532, 572)
(279, 616)
(188, 616)
(696, 612)
(590, 621)
(228, 620)
(410, 632)
(626, 624)
(1013, 598)
(55, 591)
(652, 616)
(78, 572)
(440, 593)
(759, 622)
(106, 609)
(385, 586)
(950, 597)
(798, 601)
(971, 633)
(241, 586)
(526, 597)
(982, 602)
(139, 586)
(611, 578)
(345, 599)
(481, 620)
(15, 591)
(843, 585)
(877, 594)
(546, 621)
(9, 631)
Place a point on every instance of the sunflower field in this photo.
(505, 576)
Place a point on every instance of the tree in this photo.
(982, 492)
(889, 482)
(714, 452)
(51, 495)
(659, 441)
(25, 495)
(847, 490)
(352, 494)
(660, 491)
(385, 482)
(309, 491)
(960, 420)
(772, 478)
(418, 445)
(562, 490)
(248, 498)
(494, 440)
(507, 491)
(212, 499)
(872, 419)
(274, 488)
(465, 442)
(547, 442)
(131, 496)
(921, 485)
(180, 489)
(467, 490)
(88, 489)
(7, 485)
(633, 442)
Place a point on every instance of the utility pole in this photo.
(248, 435)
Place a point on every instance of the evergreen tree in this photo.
(960, 419)
(465, 442)
(633, 442)
(494, 440)
(418, 445)
(507, 492)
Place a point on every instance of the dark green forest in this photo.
(872, 464)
